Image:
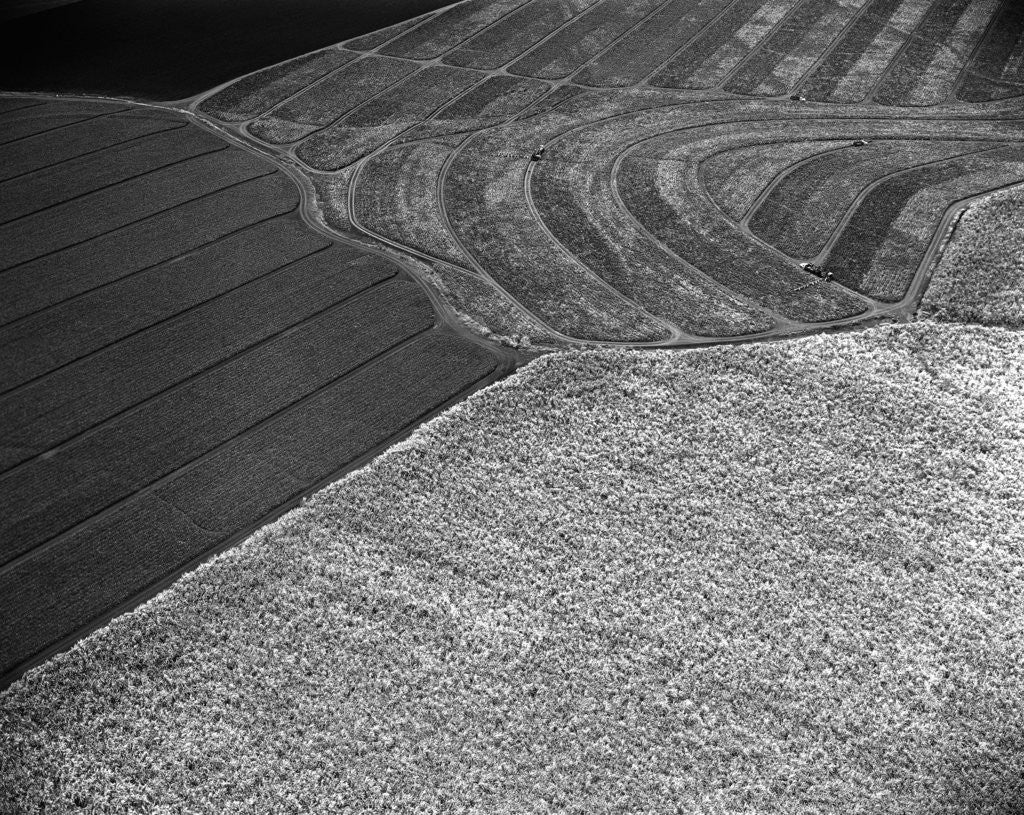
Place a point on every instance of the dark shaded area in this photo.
(181, 358)
(164, 50)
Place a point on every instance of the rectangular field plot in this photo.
(375, 123)
(73, 399)
(326, 101)
(855, 62)
(450, 28)
(157, 532)
(582, 39)
(188, 421)
(782, 59)
(85, 266)
(46, 149)
(881, 248)
(72, 329)
(257, 93)
(735, 178)
(808, 205)
(498, 45)
(925, 73)
(652, 43)
(494, 101)
(108, 209)
(997, 69)
(396, 197)
(709, 59)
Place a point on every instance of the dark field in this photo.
(181, 357)
(174, 49)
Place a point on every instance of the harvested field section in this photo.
(734, 178)
(665, 195)
(257, 93)
(652, 43)
(180, 328)
(232, 489)
(792, 569)
(323, 103)
(166, 433)
(58, 276)
(71, 400)
(855, 62)
(65, 143)
(573, 192)
(807, 205)
(396, 197)
(72, 223)
(494, 101)
(997, 70)
(381, 119)
(487, 207)
(500, 44)
(707, 61)
(450, 28)
(980, 277)
(75, 328)
(925, 73)
(881, 248)
(582, 39)
(20, 123)
(784, 57)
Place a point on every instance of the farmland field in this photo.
(634, 171)
(181, 355)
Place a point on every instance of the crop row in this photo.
(881, 248)
(57, 276)
(721, 46)
(396, 197)
(807, 206)
(782, 58)
(450, 28)
(652, 43)
(73, 398)
(660, 187)
(48, 496)
(395, 110)
(117, 206)
(32, 120)
(583, 38)
(494, 101)
(734, 178)
(518, 32)
(997, 70)
(572, 189)
(323, 103)
(155, 533)
(485, 200)
(926, 71)
(257, 93)
(980, 277)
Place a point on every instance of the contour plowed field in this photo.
(677, 191)
(181, 357)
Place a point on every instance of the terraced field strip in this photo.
(181, 356)
(997, 69)
(926, 71)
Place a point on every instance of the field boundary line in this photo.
(138, 220)
(833, 44)
(66, 124)
(11, 392)
(130, 178)
(646, 80)
(982, 39)
(912, 36)
(129, 409)
(150, 486)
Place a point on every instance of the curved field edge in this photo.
(980, 275)
(782, 576)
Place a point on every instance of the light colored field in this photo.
(781, 578)
(980, 277)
